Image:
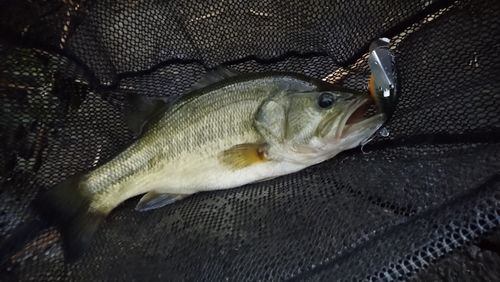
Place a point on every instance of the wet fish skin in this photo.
(233, 132)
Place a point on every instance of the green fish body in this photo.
(235, 131)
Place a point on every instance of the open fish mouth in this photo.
(362, 114)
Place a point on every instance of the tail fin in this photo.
(65, 206)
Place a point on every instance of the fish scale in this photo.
(237, 130)
(198, 141)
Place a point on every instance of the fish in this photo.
(232, 129)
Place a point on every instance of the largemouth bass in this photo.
(238, 130)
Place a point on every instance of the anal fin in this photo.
(243, 155)
(154, 200)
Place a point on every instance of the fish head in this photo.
(314, 126)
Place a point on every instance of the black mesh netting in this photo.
(425, 198)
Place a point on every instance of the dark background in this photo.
(422, 203)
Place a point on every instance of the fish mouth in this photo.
(362, 114)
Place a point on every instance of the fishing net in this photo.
(420, 202)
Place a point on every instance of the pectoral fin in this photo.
(154, 200)
(243, 155)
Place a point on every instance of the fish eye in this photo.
(326, 101)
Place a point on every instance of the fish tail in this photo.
(66, 207)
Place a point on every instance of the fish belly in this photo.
(207, 175)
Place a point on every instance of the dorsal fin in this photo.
(214, 76)
(141, 109)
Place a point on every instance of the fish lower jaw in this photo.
(351, 116)
(359, 116)
(373, 123)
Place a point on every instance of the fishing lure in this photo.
(383, 84)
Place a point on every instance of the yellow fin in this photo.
(243, 155)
